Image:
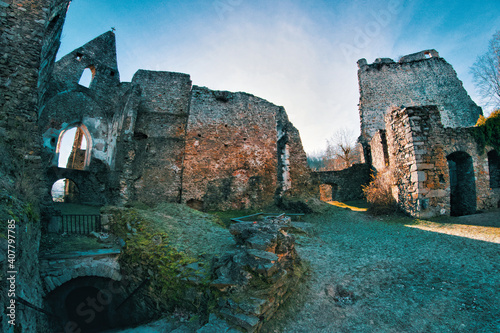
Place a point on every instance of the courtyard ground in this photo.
(396, 274)
(389, 274)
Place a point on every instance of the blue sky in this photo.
(296, 53)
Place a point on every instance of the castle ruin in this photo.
(417, 124)
(159, 138)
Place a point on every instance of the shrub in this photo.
(488, 131)
(378, 193)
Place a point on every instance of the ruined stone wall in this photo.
(54, 25)
(69, 103)
(155, 151)
(418, 147)
(347, 183)
(294, 174)
(408, 132)
(94, 109)
(163, 141)
(26, 30)
(463, 140)
(379, 152)
(231, 157)
(419, 79)
(99, 56)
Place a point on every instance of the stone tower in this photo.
(418, 79)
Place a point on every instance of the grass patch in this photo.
(77, 209)
(161, 243)
(55, 243)
(190, 231)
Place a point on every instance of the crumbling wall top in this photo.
(99, 56)
(422, 55)
(418, 79)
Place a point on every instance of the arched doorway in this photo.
(73, 148)
(462, 184)
(65, 190)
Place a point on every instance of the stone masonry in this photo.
(419, 79)
(421, 158)
(158, 138)
(417, 124)
(29, 38)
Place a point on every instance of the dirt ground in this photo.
(396, 275)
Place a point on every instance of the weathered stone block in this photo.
(418, 176)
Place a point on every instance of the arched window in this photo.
(73, 148)
(87, 77)
(65, 190)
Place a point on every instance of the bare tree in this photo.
(486, 72)
(341, 151)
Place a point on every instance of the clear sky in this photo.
(295, 53)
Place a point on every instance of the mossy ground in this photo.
(162, 243)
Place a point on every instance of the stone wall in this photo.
(420, 151)
(231, 157)
(70, 104)
(346, 184)
(163, 140)
(379, 152)
(27, 27)
(257, 277)
(29, 35)
(93, 110)
(419, 79)
(294, 173)
(156, 145)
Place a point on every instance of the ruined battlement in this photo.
(418, 79)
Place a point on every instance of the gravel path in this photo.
(372, 276)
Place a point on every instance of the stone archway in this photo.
(65, 190)
(74, 148)
(462, 184)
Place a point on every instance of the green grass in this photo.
(77, 209)
(188, 230)
(55, 243)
